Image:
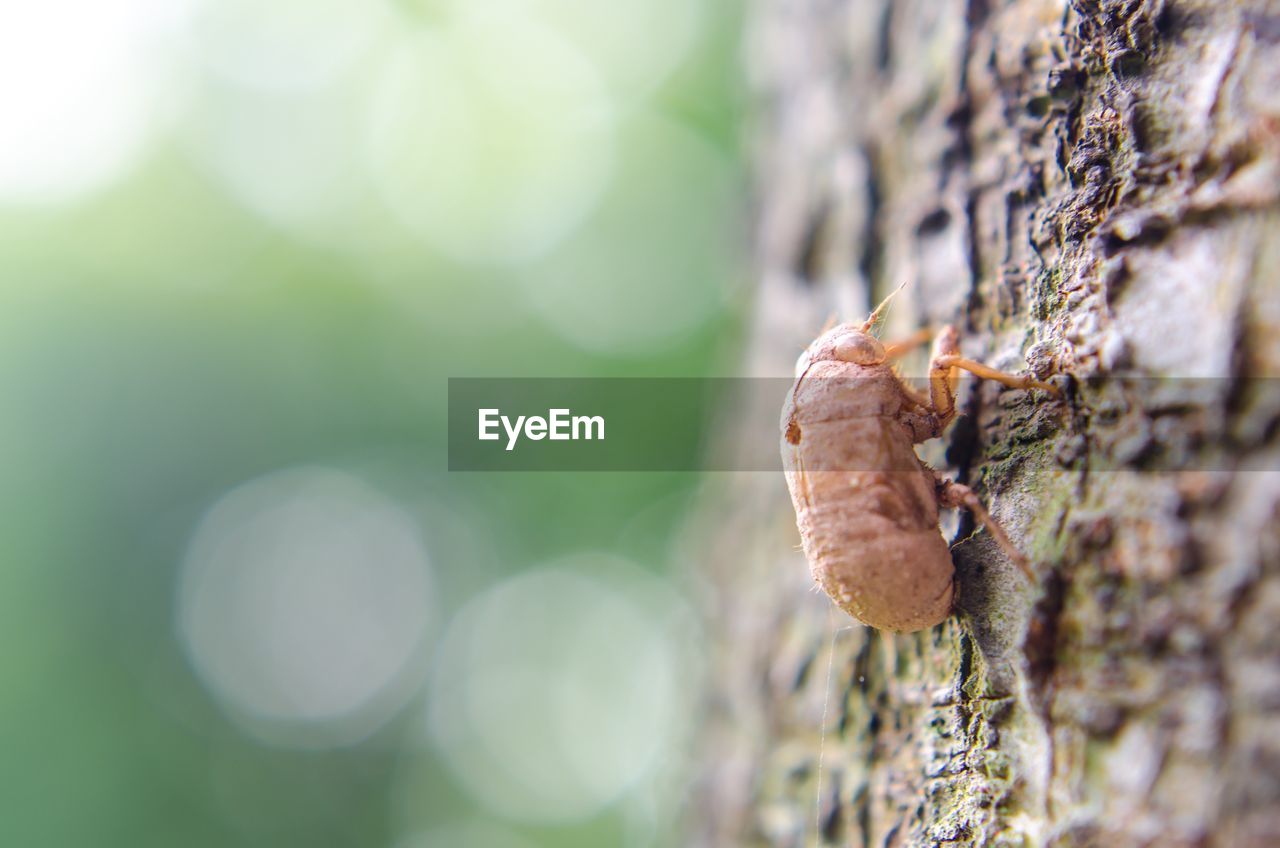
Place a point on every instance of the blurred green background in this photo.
(244, 244)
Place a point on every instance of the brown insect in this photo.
(866, 505)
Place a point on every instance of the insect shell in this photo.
(866, 506)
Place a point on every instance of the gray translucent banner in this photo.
(732, 424)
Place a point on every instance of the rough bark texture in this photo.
(1091, 188)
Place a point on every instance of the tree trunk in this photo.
(1087, 190)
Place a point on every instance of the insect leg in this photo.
(1013, 381)
(895, 349)
(956, 495)
(944, 376)
(919, 398)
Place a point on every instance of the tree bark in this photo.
(1089, 190)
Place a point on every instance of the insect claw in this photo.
(954, 494)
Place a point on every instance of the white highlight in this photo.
(78, 92)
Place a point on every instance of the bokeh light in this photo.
(469, 834)
(561, 689)
(634, 43)
(285, 45)
(292, 158)
(303, 604)
(638, 275)
(491, 136)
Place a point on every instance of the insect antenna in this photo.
(879, 310)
